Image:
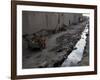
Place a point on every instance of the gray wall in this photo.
(35, 21)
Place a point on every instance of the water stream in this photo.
(76, 55)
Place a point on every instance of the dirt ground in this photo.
(58, 47)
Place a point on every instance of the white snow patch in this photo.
(76, 55)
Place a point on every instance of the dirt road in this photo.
(55, 50)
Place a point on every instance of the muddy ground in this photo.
(58, 47)
(85, 60)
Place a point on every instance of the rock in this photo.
(44, 64)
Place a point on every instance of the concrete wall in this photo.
(68, 19)
(35, 21)
(51, 20)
